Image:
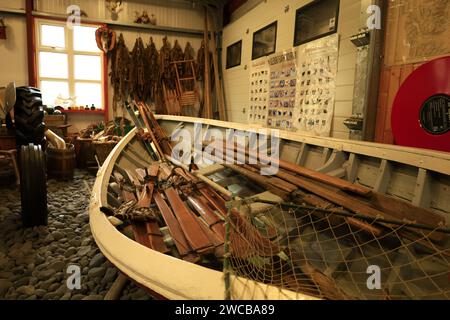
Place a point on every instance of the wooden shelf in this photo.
(97, 112)
(111, 23)
(12, 11)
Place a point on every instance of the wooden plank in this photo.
(163, 139)
(145, 197)
(137, 153)
(147, 234)
(217, 81)
(155, 237)
(405, 72)
(394, 85)
(383, 177)
(190, 226)
(334, 162)
(321, 177)
(153, 170)
(378, 206)
(144, 115)
(392, 34)
(324, 178)
(209, 170)
(406, 211)
(127, 195)
(352, 168)
(140, 234)
(394, 209)
(133, 159)
(206, 81)
(382, 105)
(259, 179)
(303, 154)
(242, 226)
(215, 240)
(422, 191)
(204, 210)
(212, 236)
(172, 223)
(274, 181)
(134, 180)
(311, 199)
(326, 154)
(389, 136)
(213, 221)
(246, 241)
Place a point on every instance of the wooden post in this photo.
(116, 288)
(217, 81)
(31, 47)
(207, 86)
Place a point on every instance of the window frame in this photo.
(230, 65)
(274, 49)
(310, 5)
(71, 52)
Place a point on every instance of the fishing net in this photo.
(331, 255)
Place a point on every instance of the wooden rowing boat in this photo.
(372, 189)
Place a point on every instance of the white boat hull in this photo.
(177, 279)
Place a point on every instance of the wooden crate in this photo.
(55, 120)
(7, 140)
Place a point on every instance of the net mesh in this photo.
(320, 254)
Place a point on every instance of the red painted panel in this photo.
(432, 78)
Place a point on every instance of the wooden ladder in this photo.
(186, 87)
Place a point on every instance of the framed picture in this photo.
(234, 54)
(264, 41)
(316, 20)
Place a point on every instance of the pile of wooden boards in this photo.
(107, 134)
(192, 211)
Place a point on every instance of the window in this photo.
(264, 41)
(70, 65)
(234, 54)
(316, 20)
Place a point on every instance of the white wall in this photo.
(13, 52)
(236, 81)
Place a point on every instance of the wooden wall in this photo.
(417, 31)
(391, 80)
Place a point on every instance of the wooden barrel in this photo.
(85, 153)
(61, 163)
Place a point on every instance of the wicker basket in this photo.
(103, 149)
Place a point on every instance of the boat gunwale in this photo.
(421, 158)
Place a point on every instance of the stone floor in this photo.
(34, 261)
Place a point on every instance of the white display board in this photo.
(316, 85)
(283, 78)
(259, 92)
(295, 89)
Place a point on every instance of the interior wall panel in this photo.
(13, 51)
(236, 81)
(181, 14)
